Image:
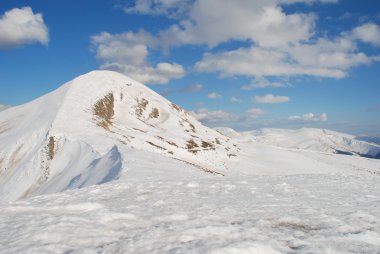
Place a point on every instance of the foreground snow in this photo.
(201, 214)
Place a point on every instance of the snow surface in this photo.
(177, 209)
(135, 186)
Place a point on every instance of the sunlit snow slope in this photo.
(77, 136)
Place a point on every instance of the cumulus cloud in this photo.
(254, 112)
(217, 116)
(262, 83)
(324, 58)
(128, 52)
(270, 99)
(21, 26)
(212, 22)
(280, 44)
(160, 74)
(214, 96)
(309, 117)
(187, 89)
(369, 33)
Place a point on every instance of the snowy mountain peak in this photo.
(94, 120)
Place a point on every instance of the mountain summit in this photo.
(78, 135)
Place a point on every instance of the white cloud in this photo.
(254, 112)
(262, 83)
(160, 74)
(281, 44)
(270, 99)
(235, 100)
(214, 96)
(212, 22)
(128, 52)
(21, 26)
(206, 116)
(369, 33)
(310, 117)
(324, 58)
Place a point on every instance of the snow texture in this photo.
(194, 213)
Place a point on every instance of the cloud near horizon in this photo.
(309, 117)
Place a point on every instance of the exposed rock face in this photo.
(104, 111)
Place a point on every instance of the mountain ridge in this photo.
(313, 139)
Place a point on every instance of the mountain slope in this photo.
(61, 140)
(308, 139)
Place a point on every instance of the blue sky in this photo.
(244, 64)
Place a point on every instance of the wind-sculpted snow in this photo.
(193, 214)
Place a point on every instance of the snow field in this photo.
(257, 214)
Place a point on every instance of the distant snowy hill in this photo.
(78, 135)
(308, 139)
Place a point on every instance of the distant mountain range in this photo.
(310, 139)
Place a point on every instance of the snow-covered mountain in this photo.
(79, 135)
(308, 139)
